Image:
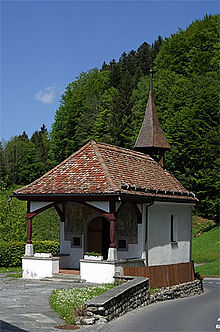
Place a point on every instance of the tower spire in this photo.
(151, 139)
(151, 77)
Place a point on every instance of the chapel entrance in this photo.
(99, 236)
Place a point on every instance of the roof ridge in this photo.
(103, 166)
(55, 167)
(133, 152)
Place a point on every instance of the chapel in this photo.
(121, 204)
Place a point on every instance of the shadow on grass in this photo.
(9, 328)
(210, 227)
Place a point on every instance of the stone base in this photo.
(39, 267)
(105, 271)
(112, 254)
(29, 250)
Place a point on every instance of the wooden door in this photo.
(95, 235)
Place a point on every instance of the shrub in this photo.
(11, 252)
(200, 225)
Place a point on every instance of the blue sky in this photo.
(46, 44)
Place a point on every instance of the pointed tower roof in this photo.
(151, 136)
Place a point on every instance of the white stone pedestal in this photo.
(104, 271)
(39, 267)
(97, 271)
(29, 250)
(112, 254)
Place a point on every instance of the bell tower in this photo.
(151, 139)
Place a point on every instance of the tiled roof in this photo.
(99, 168)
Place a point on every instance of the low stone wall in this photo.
(118, 300)
(132, 294)
(177, 291)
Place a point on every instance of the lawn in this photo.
(209, 269)
(205, 249)
(10, 269)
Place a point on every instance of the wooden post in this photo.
(29, 230)
(112, 251)
(112, 231)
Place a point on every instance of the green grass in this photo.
(14, 275)
(205, 249)
(209, 269)
(10, 269)
(71, 303)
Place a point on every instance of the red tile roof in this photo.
(99, 168)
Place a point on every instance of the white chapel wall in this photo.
(75, 254)
(160, 249)
(134, 250)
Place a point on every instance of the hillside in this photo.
(205, 249)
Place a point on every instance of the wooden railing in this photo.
(163, 275)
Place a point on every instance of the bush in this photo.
(200, 225)
(11, 252)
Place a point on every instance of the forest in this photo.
(108, 105)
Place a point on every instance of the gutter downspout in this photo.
(144, 254)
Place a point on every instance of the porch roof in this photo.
(99, 169)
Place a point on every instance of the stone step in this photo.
(64, 277)
(67, 276)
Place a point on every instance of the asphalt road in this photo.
(196, 313)
(24, 307)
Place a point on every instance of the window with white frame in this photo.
(173, 228)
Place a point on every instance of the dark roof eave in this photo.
(52, 196)
(102, 196)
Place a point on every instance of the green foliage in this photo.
(81, 103)
(70, 303)
(13, 222)
(92, 253)
(153, 290)
(41, 141)
(46, 226)
(11, 252)
(22, 160)
(191, 51)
